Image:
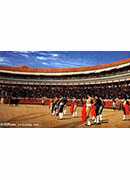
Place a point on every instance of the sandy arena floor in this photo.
(40, 117)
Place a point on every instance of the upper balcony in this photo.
(115, 72)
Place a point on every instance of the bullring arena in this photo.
(32, 88)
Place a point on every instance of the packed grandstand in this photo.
(107, 81)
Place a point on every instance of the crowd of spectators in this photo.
(106, 91)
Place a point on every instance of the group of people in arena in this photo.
(92, 108)
(57, 106)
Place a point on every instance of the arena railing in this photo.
(38, 101)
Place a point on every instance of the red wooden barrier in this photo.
(40, 101)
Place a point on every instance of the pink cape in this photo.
(127, 109)
(84, 113)
(93, 111)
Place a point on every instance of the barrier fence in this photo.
(38, 101)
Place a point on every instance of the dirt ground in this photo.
(37, 116)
